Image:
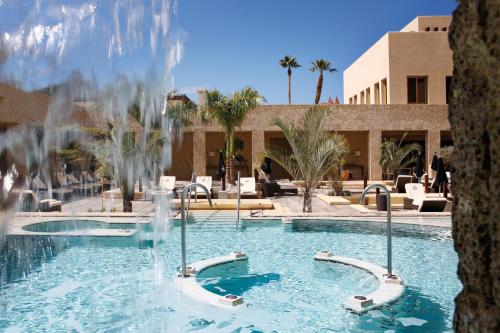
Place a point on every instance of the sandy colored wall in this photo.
(419, 54)
(420, 23)
(358, 142)
(370, 68)
(215, 142)
(182, 157)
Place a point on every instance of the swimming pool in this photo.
(125, 283)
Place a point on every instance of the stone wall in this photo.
(374, 119)
(475, 127)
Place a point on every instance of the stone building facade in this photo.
(365, 126)
(410, 66)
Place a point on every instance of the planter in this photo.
(381, 200)
(269, 189)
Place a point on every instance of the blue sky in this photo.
(231, 44)
(227, 44)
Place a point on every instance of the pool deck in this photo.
(285, 206)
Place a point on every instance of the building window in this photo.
(368, 97)
(444, 29)
(355, 99)
(376, 93)
(417, 90)
(384, 91)
(436, 29)
(350, 100)
(428, 29)
(362, 97)
(448, 89)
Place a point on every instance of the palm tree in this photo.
(314, 150)
(229, 112)
(321, 65)
(127, 152)
(394, 156)
(289, 62)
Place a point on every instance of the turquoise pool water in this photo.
(124, 284)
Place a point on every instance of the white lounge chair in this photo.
(247, 187)
(205, 181)
(401, 181)
(31, 202)
(167, 183)
(417, 199)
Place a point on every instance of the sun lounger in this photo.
(416, 199)
(285, 186)
(167, 183)
(247, 187)
(38, 185)
(89, 182)
(30, 202)
(77, 186)
(401, 181)
(203, 180)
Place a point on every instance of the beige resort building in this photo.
(399, 85)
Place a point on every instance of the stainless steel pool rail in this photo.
(389, 224)
(238, 201)
(184, 218)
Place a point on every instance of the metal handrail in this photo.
(183, 221)
(389, 224)
(193, 180)
(238, 200)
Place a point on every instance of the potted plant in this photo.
(396, 156)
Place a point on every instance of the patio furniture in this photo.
(205, 181)
(31, 203)
(285, 186)
(416, 199)
(401, 181)
(167, 184)
(247, 188)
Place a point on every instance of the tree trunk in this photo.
(307, 203)
(289, 86)
(319, 87)
(229, 170)
(474, 116)
(127, 197)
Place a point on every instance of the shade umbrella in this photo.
(419, 168)
(434, 163)
(267, 166)
(441, 176)
(222, 169)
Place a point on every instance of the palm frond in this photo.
(313, 150)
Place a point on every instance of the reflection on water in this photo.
(233, 278)
(21, 255)
(406, 315)
(399, 230)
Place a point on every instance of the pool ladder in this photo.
(187, 189)
(389, 224)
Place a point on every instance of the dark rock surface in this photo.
(475, 123)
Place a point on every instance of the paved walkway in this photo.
(285, 206)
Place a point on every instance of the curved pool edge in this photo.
(389, 289)
(17, 226)
(190, 287)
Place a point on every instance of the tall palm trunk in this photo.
(127, 196)
(289, 86)
(229, 158)
(319, 87)
(307, 203)
(229, 170)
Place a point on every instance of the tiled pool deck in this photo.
(89, 209)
